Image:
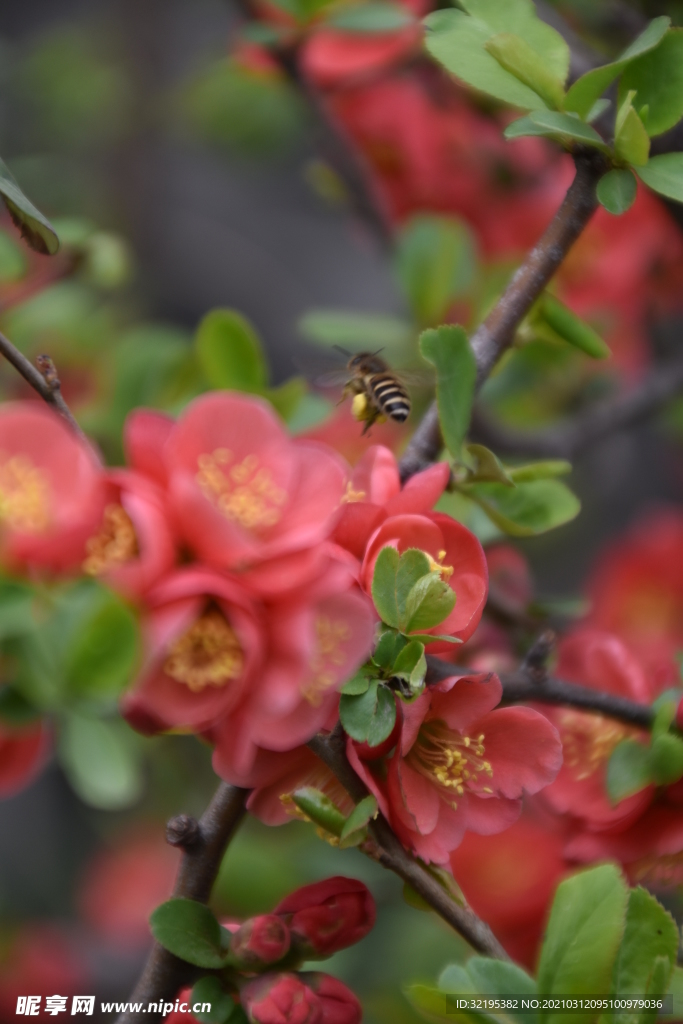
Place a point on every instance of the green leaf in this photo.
(666, 759)
(101, 761)
(489, 468)
(105, 649)
(354, 330)
(34, 227)
(665, 712)
(664, 174)
(370, 18)
(546, 469)
(515, 55)
(519, 17)
(429, 638)
(13, 265)
(448, 349)
(583, 935)
(650, 935)
(16, 609)
(597, 110)
(190, 931)
(369, 717)
(411, 664)
(631, 141)
(429, 602)
(384, 719)
(571, 328)
(413, 566)
(320, 809)
(587, 89)
(209, 990)
(481, 976)
(676, 990)
(616, 191)
(230, 352)
(436, 262)
(657, 79)
(384, 585)
(357, 685)
(354, 830)
(388, 648)
(628, 770)
(550, 123)
(529, 508)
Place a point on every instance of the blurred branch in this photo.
(571, 439)
(497, 331)
(388, 851)
(204, 843)
(44, 380)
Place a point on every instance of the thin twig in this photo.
(497, 332)
(570, 439)
(164, 974)
(47, 385)
(388, 851)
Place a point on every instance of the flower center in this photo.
(24, 495)
(455, 762)
(115, 544)
(350, 495)
(244, 492)
(329, 655)
(588, 741)
(207, 654)
(445, 571)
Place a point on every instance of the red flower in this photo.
(50, 495)
(276, 776)
(23, 752)
(328, 916)
(461, 766)
(341, 431)
(339, 1004)
(454, 551)
(134, 546)
(42, 960)
(280, 999)
(259, 941)
(601, 662)
(636, 591)
(374, 493)
(243, 491)
(332, 58)
(144, 435)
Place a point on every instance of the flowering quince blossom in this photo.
(280, 999)
(328, 916)
(23, 752)
(599, 661)
(50, 490)
(455, 553)
(459, 765)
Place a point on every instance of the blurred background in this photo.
(182, 175)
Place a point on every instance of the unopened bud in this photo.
(339, 1004)
(328, 916)
(280, 999)
(260, 940)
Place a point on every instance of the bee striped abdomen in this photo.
(389, 396)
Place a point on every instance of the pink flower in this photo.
(601, 662)
(23, 752)
(134, 546)
(339, 1004)
(206, 645)
(461, 766)
(328, 916)
(332, 58)
(242, 490)
(50, 495)
(276, 776)
(259, 941)
(374, 493)
(280, 999)
(455, 552)
(144, 435)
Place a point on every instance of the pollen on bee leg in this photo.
(359, 407)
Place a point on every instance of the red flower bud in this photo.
(281, 999)
(260, 940)
(329, 915)
(339, 1004)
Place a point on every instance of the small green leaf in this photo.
(571, 328)
(190, 931)
(209, 990)
(565, 128)
(666, 759)
(657, 80)
(320, 809)
(516, 56)
(384, 719)
(583, 935)
(357, 685)
(369, 717)
(431, 1003)
(664, 174)
(370, 18)
(413, 566)
(354, 330)
(650, 934)
(489, 468)
(628, 770)
(430, 638)
(411, 664)
(546, 469)
(436, 262)
(101, 761)
(616, 191)
(527, 509)
(230, 352)
(354, 829)
(631, 141)
(105, 648)
(597, 110)
(676, 990)
(665, 712)
(429, 602)
(384, 585)
(448, 349)
(388, 647)
(34, 227)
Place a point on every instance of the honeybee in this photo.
(377, 392)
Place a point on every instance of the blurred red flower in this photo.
(23, 752)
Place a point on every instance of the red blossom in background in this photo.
(23, 753)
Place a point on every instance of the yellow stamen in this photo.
(245, 493)
(350, 495)
(115, 544)
(329, 656)
(452, 760)
(24, 495)
(207, 654)
(446, 571)
(588, 741)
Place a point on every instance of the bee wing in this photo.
(418, 378)
(332, 378)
